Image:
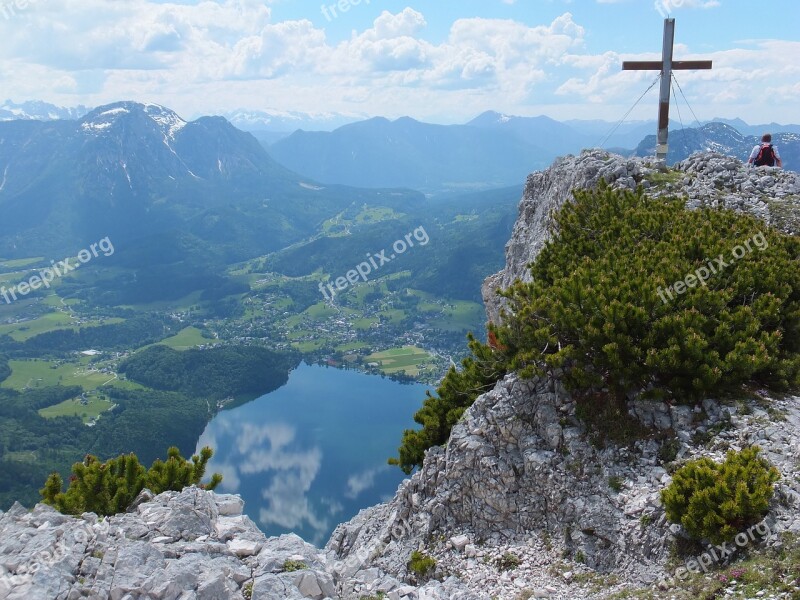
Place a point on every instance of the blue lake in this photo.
(311, 454)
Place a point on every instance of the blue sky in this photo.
(624, 25)
(437, 60)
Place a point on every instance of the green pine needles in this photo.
(716, 501)
(109, 488)
(596, 305)
(421, 564)
(613, 308)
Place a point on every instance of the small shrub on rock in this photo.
(615, 483)
(508, 562)
(668, 451)
(108, 488)
(715, 501)
(421, 564)
(290, 566)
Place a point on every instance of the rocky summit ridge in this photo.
(518, 504)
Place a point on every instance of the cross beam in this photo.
(655, 65)
(666, 65)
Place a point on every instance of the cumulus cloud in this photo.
(272, 451)
(735, 74)
(219, 55)
(103, 52)
(361, 482)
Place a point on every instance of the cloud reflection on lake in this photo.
(313, 453)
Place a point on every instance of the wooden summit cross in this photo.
(666, 66)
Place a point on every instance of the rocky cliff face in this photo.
(518, 484)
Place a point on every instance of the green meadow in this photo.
(187, 338)
(408, 358)
(42, 373)
(75, 407)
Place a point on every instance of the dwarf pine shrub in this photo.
(715, 501)
(108, 488)
(599, 305)
(421, 564)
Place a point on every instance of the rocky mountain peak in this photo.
(189, 544)
(519, 476)
(36, 110)
(107, 118)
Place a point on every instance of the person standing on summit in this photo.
(765, 154)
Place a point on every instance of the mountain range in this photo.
(137, 171)
(723, 138)
(278, 123)
(127, 170)
(492, 150)
(184, 200)
(40, 111)
(489, 151)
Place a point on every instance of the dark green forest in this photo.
(215, 373)
(5, 370)
(32, 447)
(132, 333)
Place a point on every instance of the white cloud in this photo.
(360, 482)
(271, 450)
(736, 74)
(667, 7)
(220, 55)
(104, 52)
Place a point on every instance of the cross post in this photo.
(666, 65)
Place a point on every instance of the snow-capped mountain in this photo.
(281, 121)
(720, 137)
(39, 111)
(129, 170)
(105, 119)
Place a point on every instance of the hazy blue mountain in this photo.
(181, 201)
(758, 130)
(408, 153)
(720, 137)
(553, 137)
(130, 170)
(38, 110)
(286, 122)
(627, 135)
(267, 138)
(490, 151)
